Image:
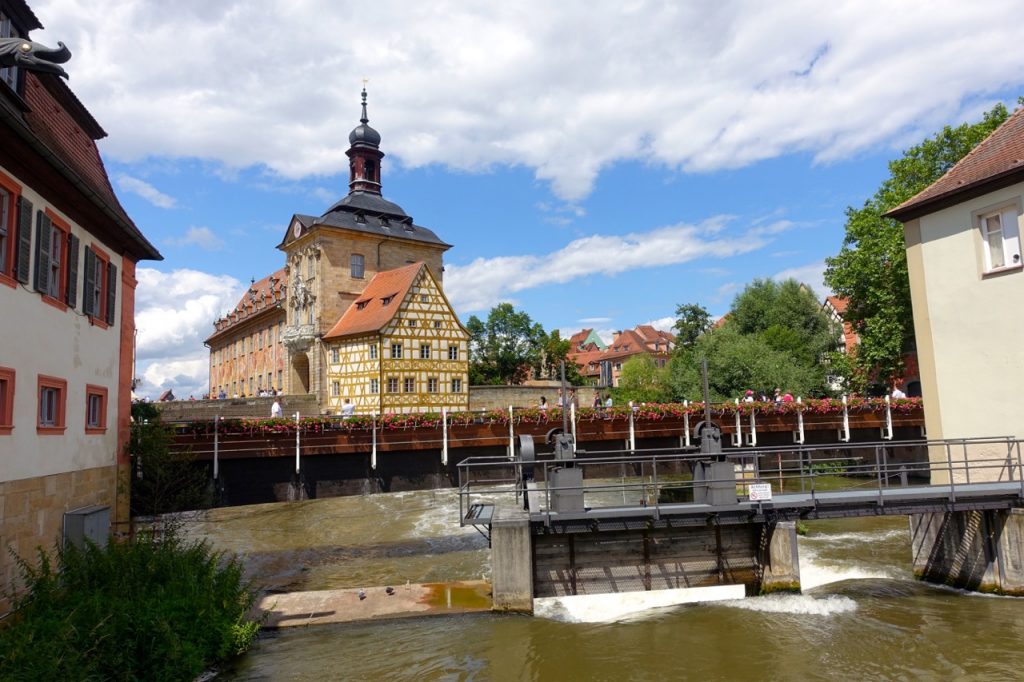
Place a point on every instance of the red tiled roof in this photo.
(999, 155)
(839, 303)
(247, 306)
(62, 134)
(392, 285)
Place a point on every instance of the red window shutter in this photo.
(43, 232)
(24, 252)
(72, 293)
(111, 292)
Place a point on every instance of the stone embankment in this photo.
(293, 609)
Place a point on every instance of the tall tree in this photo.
(506, 348)
(692, 320)
(642, 381)
(555, 351)
(738, 362)
(787, 315)
(871, 267)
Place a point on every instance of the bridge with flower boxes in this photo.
(260, 460)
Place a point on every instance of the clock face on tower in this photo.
(296, 229)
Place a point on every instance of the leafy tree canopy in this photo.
(642, 381)
(737, 362)
(871, 267)
(509, 348)
(787, 315)
(692, 320)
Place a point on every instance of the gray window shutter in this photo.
(24, 239)
(42, 252)
(72, 293)
(111, 292)
(89, 284)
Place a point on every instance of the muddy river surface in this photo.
(861, 616)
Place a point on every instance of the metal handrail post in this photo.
(1020, 467)
(967, 468)
(444, 436)
(216, 447)
(952, 478)
(297, 442)
(373, 449)
(686, 421)
(878, 470)
(654, 482)
(511, 435)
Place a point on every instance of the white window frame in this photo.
(432, 385)
(373, 351)
(357, 266)
(424, 351)
(456, 385)
(453, 352)
(409, 385)
(374, 386)
(396, 347)
(335, 355)
(1008, 237)
(49, 406)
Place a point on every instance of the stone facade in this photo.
(32, 512)
(329, 261)
(247, 355)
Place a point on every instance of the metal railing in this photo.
(660, 481)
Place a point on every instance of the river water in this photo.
(861, 615)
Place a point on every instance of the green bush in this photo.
(138, 610)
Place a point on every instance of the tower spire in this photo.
(364, 155)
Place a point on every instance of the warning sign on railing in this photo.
(760, 492)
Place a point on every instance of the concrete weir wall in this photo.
(529, 560)
(974, 550)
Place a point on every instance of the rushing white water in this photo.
(611, 608)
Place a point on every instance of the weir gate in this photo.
(659, 520)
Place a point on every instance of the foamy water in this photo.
(622, 606)
(801, 604)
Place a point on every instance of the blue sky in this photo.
(595, 164)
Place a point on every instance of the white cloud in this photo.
(565, 89)
(724, 291)
(145, 190)
(594, 320)
(665, 324)
(203, 237)
(174, 314)
(487, 281)
(812, 274)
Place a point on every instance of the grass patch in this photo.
(138, 610)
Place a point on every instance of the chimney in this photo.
(615, 336)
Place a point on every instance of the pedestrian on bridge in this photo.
(275, 410)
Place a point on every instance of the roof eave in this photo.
(144, 250)
(956, 196)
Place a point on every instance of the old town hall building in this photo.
(358, 313)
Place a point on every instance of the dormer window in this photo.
(362, 304)
(9, 75)
(384, 222)
(387, 299)
(360, 218)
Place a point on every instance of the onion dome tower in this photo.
(364, 156)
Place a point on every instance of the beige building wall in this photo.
(968, 323)
(321, 260)
(44, 475)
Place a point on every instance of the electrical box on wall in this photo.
(88, 523)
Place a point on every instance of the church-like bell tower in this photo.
(364, 156)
